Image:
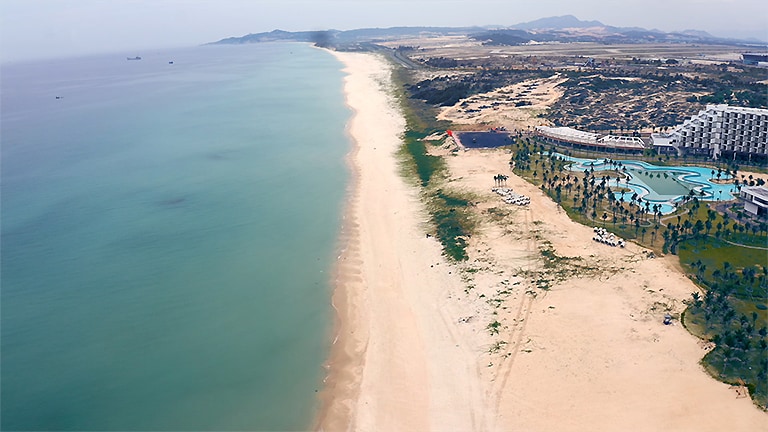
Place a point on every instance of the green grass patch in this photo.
(448, 210)
(734, 367)
(453, 222)
(713, 254)
(453, 200)
(425, 165)
(741, 352)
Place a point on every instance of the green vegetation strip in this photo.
(448, 209)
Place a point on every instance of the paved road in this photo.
(395, 55)
(404, 60)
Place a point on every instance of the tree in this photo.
(697, 228)
(696, 300)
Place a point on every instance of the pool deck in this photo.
(688, 177)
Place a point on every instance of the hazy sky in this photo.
(44, 28)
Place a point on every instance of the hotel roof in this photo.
(745, 110)
(568, 134)
(757, 191)
(579, 137)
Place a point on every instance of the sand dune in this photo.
(501, 107)
(415, 348)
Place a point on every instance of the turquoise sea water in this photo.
(167, 235)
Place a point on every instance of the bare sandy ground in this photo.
(425, 345)
(590, 353)
(499, 107)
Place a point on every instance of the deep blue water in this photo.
(167, 235)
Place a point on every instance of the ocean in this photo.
(168, 233)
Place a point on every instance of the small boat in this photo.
(133, 58)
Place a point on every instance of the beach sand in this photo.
(396, 363)
(415, 348)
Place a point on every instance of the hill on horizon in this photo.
(565, 28)
(557, 23)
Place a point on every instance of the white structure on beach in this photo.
(590, 141)
(755, 199)
(510, 197)
(720, 131)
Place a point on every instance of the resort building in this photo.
(664, 143)
(755, 59)
(755, 199)
(565, 136)
(720, 132)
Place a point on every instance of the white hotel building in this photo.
(720, 131)
(566, 136)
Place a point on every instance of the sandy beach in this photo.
(425, 345)
(398, 362)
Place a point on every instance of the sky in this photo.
(32, 29)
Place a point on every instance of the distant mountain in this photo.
(568, 28)
(698, 33)
(562, 29)
(557, 23)
(273, 36)
(351, 37)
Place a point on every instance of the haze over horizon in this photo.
(32, 29)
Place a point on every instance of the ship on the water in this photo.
(133, 58)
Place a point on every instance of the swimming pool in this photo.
(663, 185)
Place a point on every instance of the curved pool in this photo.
(663, 185)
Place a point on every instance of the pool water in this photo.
(663, 185)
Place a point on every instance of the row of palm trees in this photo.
(592, 195)
(690, 227)
(741, 340)
(603, 196)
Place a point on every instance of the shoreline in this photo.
(389, 279)
(412, 348)
(339, 384)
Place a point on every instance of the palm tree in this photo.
(700, 271)
(696, 299)
(717, 274)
